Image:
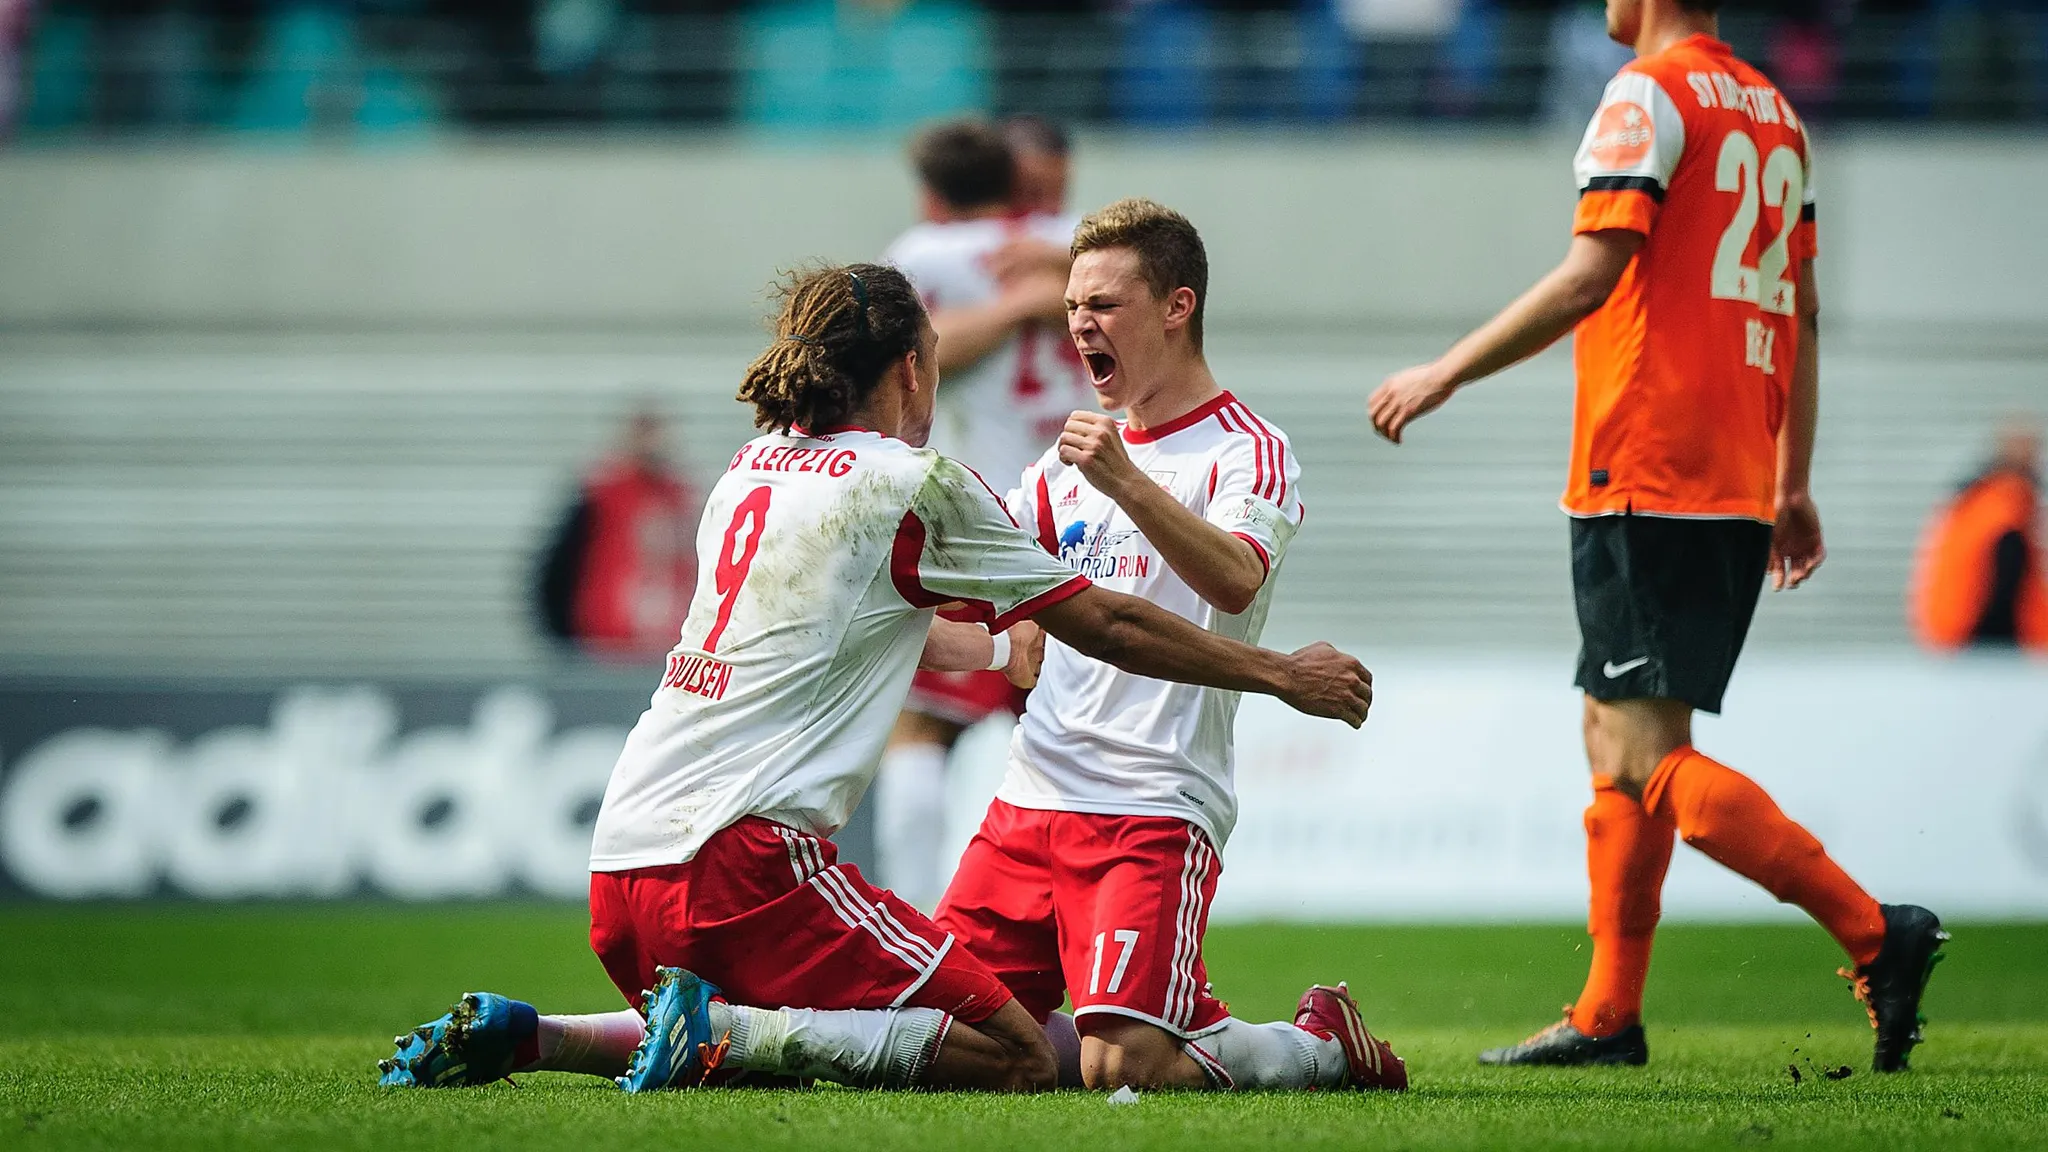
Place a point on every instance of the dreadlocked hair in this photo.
(837, 330)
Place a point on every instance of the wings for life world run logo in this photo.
(1091, 550)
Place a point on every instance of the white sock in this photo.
(599, 1045)
(1245, 1057)
(869, 1048)
(910, 821)
(1066, 1049)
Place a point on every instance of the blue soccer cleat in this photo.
(678, 1051)
(473, 1044)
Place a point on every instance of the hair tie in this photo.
(860, 302)
(806, 341)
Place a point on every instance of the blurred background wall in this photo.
(313, 313)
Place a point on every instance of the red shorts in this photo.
(769, 915)
(1107, 909)
(965, 698)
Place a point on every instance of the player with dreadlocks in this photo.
(826, 549)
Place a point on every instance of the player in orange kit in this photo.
(1690, 284)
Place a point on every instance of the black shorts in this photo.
(1664, 604)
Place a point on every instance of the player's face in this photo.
(1118, 326)
(918, 406)
(1624, 20)
(1041, 182)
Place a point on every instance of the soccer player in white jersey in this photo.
(1092, 874)
(825, 549)
(990, 260)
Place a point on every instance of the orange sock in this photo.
(1723, 813)
(1627, 853)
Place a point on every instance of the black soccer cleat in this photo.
(1891, 985)
(1562, 1045)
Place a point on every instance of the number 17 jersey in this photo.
(1683, 374)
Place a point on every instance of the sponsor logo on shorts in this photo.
(1615, 671)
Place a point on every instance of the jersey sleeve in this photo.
(1627, 158)
(958, 544)
(1256, 495)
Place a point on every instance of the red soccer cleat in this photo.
(1332, 1014)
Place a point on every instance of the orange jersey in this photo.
(1683, 374)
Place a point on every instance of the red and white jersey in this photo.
(1097, 739)
(821, 560)
(997, 414)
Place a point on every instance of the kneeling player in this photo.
(826, 548)
(1091, 876)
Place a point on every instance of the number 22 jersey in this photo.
(821, 560)
(1684, 373)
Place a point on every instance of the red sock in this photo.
(1723, 813)
(1627, 853)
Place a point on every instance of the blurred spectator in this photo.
(1402, 40)
(819, 65)
(1168, 66)
(14, 21)
(1583, 58)
(1980, 581)
(616, 578)
(1805, 55)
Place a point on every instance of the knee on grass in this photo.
(1135, 1054)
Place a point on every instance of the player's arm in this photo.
(1574, 290)
(1146, 640)
(1224, 570)
(967, 333)
(955, 646)
(1796, 544)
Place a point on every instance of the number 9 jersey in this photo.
(821, 561)
(1683, 373)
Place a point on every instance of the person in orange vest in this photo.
(1980, 581)
(616, 577)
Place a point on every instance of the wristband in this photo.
(1001, 659)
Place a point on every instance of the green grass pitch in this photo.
(258, 1027)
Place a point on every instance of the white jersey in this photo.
(997, 414)
(1096, 739)
(821, 560)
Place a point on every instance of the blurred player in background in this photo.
(618, 573)
(1092, 874)
(990, 259)
(827, 546)
(1979, 581)
(1690, 282)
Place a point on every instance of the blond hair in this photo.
(1169, 250)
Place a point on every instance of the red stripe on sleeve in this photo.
(1274, 448)
(1041, 602)
(904, 557)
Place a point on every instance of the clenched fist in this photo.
(1326, 682)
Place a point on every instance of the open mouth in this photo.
(1101, 366)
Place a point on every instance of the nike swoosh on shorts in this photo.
(1613, 670)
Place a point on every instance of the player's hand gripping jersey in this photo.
(1683, 373)
(999, 413)
(1100, 740)
(821, 561)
